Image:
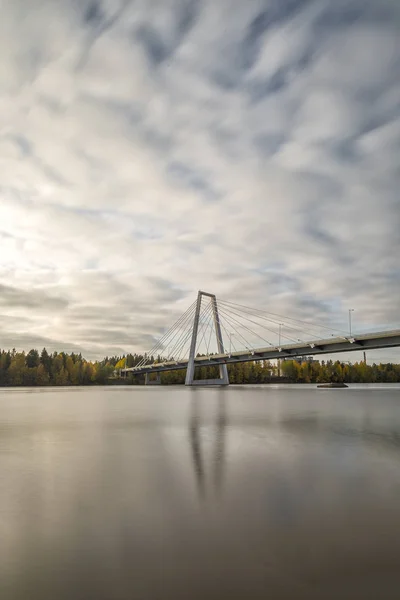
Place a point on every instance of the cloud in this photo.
(14, 298)
(151, 149)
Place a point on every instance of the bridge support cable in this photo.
(228, 319)
(178, 351)
(184, 331)
(245, 311)
(278, 318)
(236, 325)
(254, 333)
(175, 335)
(246, 318)
(175, 341)
(229, 336)
(182, 350)
(203, 329)
(305, 324)
(223, 371)
(161, 342)
(204, 315)
(278, 324)
(165, 338)
(262, 318)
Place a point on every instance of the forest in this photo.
(62, 369)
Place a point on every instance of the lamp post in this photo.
(350, 311)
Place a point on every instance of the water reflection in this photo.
(192, 494)
(221, 428)
(195, 442)
(217, 459)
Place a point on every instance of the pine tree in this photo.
(32, 359)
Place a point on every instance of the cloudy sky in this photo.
(151, 148)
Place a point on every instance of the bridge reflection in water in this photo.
(217, 459)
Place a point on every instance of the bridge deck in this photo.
(372, 341)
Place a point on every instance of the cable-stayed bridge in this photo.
(212, 333)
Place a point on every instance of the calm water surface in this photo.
(158, 493)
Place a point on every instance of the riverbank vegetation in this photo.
(330, 371)
(61, 369)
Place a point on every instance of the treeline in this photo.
(308, 371)
(62, 369)
(58, 368)
(251, 372)
(325, 372)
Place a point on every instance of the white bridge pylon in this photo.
(223, 371)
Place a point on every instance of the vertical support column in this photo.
(190, 368)
(223, 369)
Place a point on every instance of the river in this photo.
(157, 493)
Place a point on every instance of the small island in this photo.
(338, 384)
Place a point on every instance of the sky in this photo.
(152, 148)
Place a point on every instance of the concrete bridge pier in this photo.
(156, 381)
